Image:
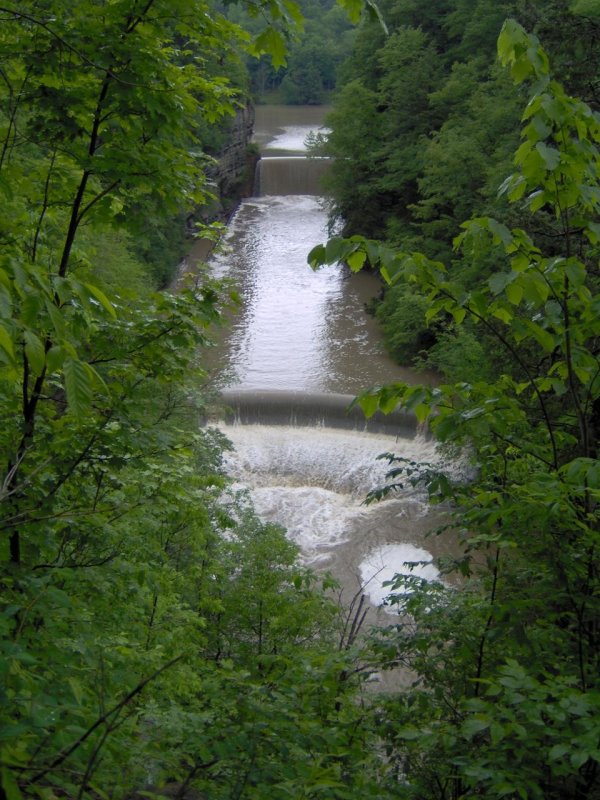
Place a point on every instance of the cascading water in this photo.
(290, 175)
(314, 481)
(300, 345)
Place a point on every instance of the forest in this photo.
(424, 129)
(314, 56)
(158, 639)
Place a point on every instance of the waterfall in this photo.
(317, 410)
(314, 481)
(290, 175)
(297, 353)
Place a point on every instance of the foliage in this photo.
(156, 637)
(402, 316)
(444, 123)
(313, 55)
(505, 699)
(361, 104)
(158, 640)
(303, 83)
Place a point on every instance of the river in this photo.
(296, 329)
(305, 335)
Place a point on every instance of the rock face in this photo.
(233, 163)
(232, 177)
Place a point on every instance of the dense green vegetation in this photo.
(424, 130)
(506, 698)
(157, 638)
(154, 633)
(314, 54)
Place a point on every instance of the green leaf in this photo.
(335, 250)
(97, 379)
(558, 751)
(271, 42)
(536, 200)
(5, 301)
(475, 725)
(592, 231)
(550, 155)
(502, 313)
(316, 258)
(99, 295)
(511, 35)
(369, 404)
(77, 386)
(10, 785)
(35, 351)
(353, 8)
(579, 758)
(535, 288)
(543, 337)
(421, 412)
(514, 187)
(514, 293)
(6, 343)
(497, 732)
(501, 233)
(409, 734)
(356, 260)
(576, 272)
(583, 472)
(498, 282)
(58, 322)
(76, 689)
(458, 315)
(55, 358)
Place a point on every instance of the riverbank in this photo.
(232, 178)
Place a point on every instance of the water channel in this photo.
(300, 346)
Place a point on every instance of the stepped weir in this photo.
(290, 175)
(297, 353)
(318, 410)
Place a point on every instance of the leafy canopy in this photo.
(505, 699)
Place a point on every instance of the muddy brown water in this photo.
(304, 333)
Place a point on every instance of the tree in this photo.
(118, 544)
(358, 202)
(444, 128)
(428, 79)
(313, 54)
(90, 132)
(506, 698)
(303, 82)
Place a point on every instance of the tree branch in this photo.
(62, 757)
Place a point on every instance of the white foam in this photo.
(293, 138)
(383, 563)
(313, 482)
(338, 460)
(316, 519)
